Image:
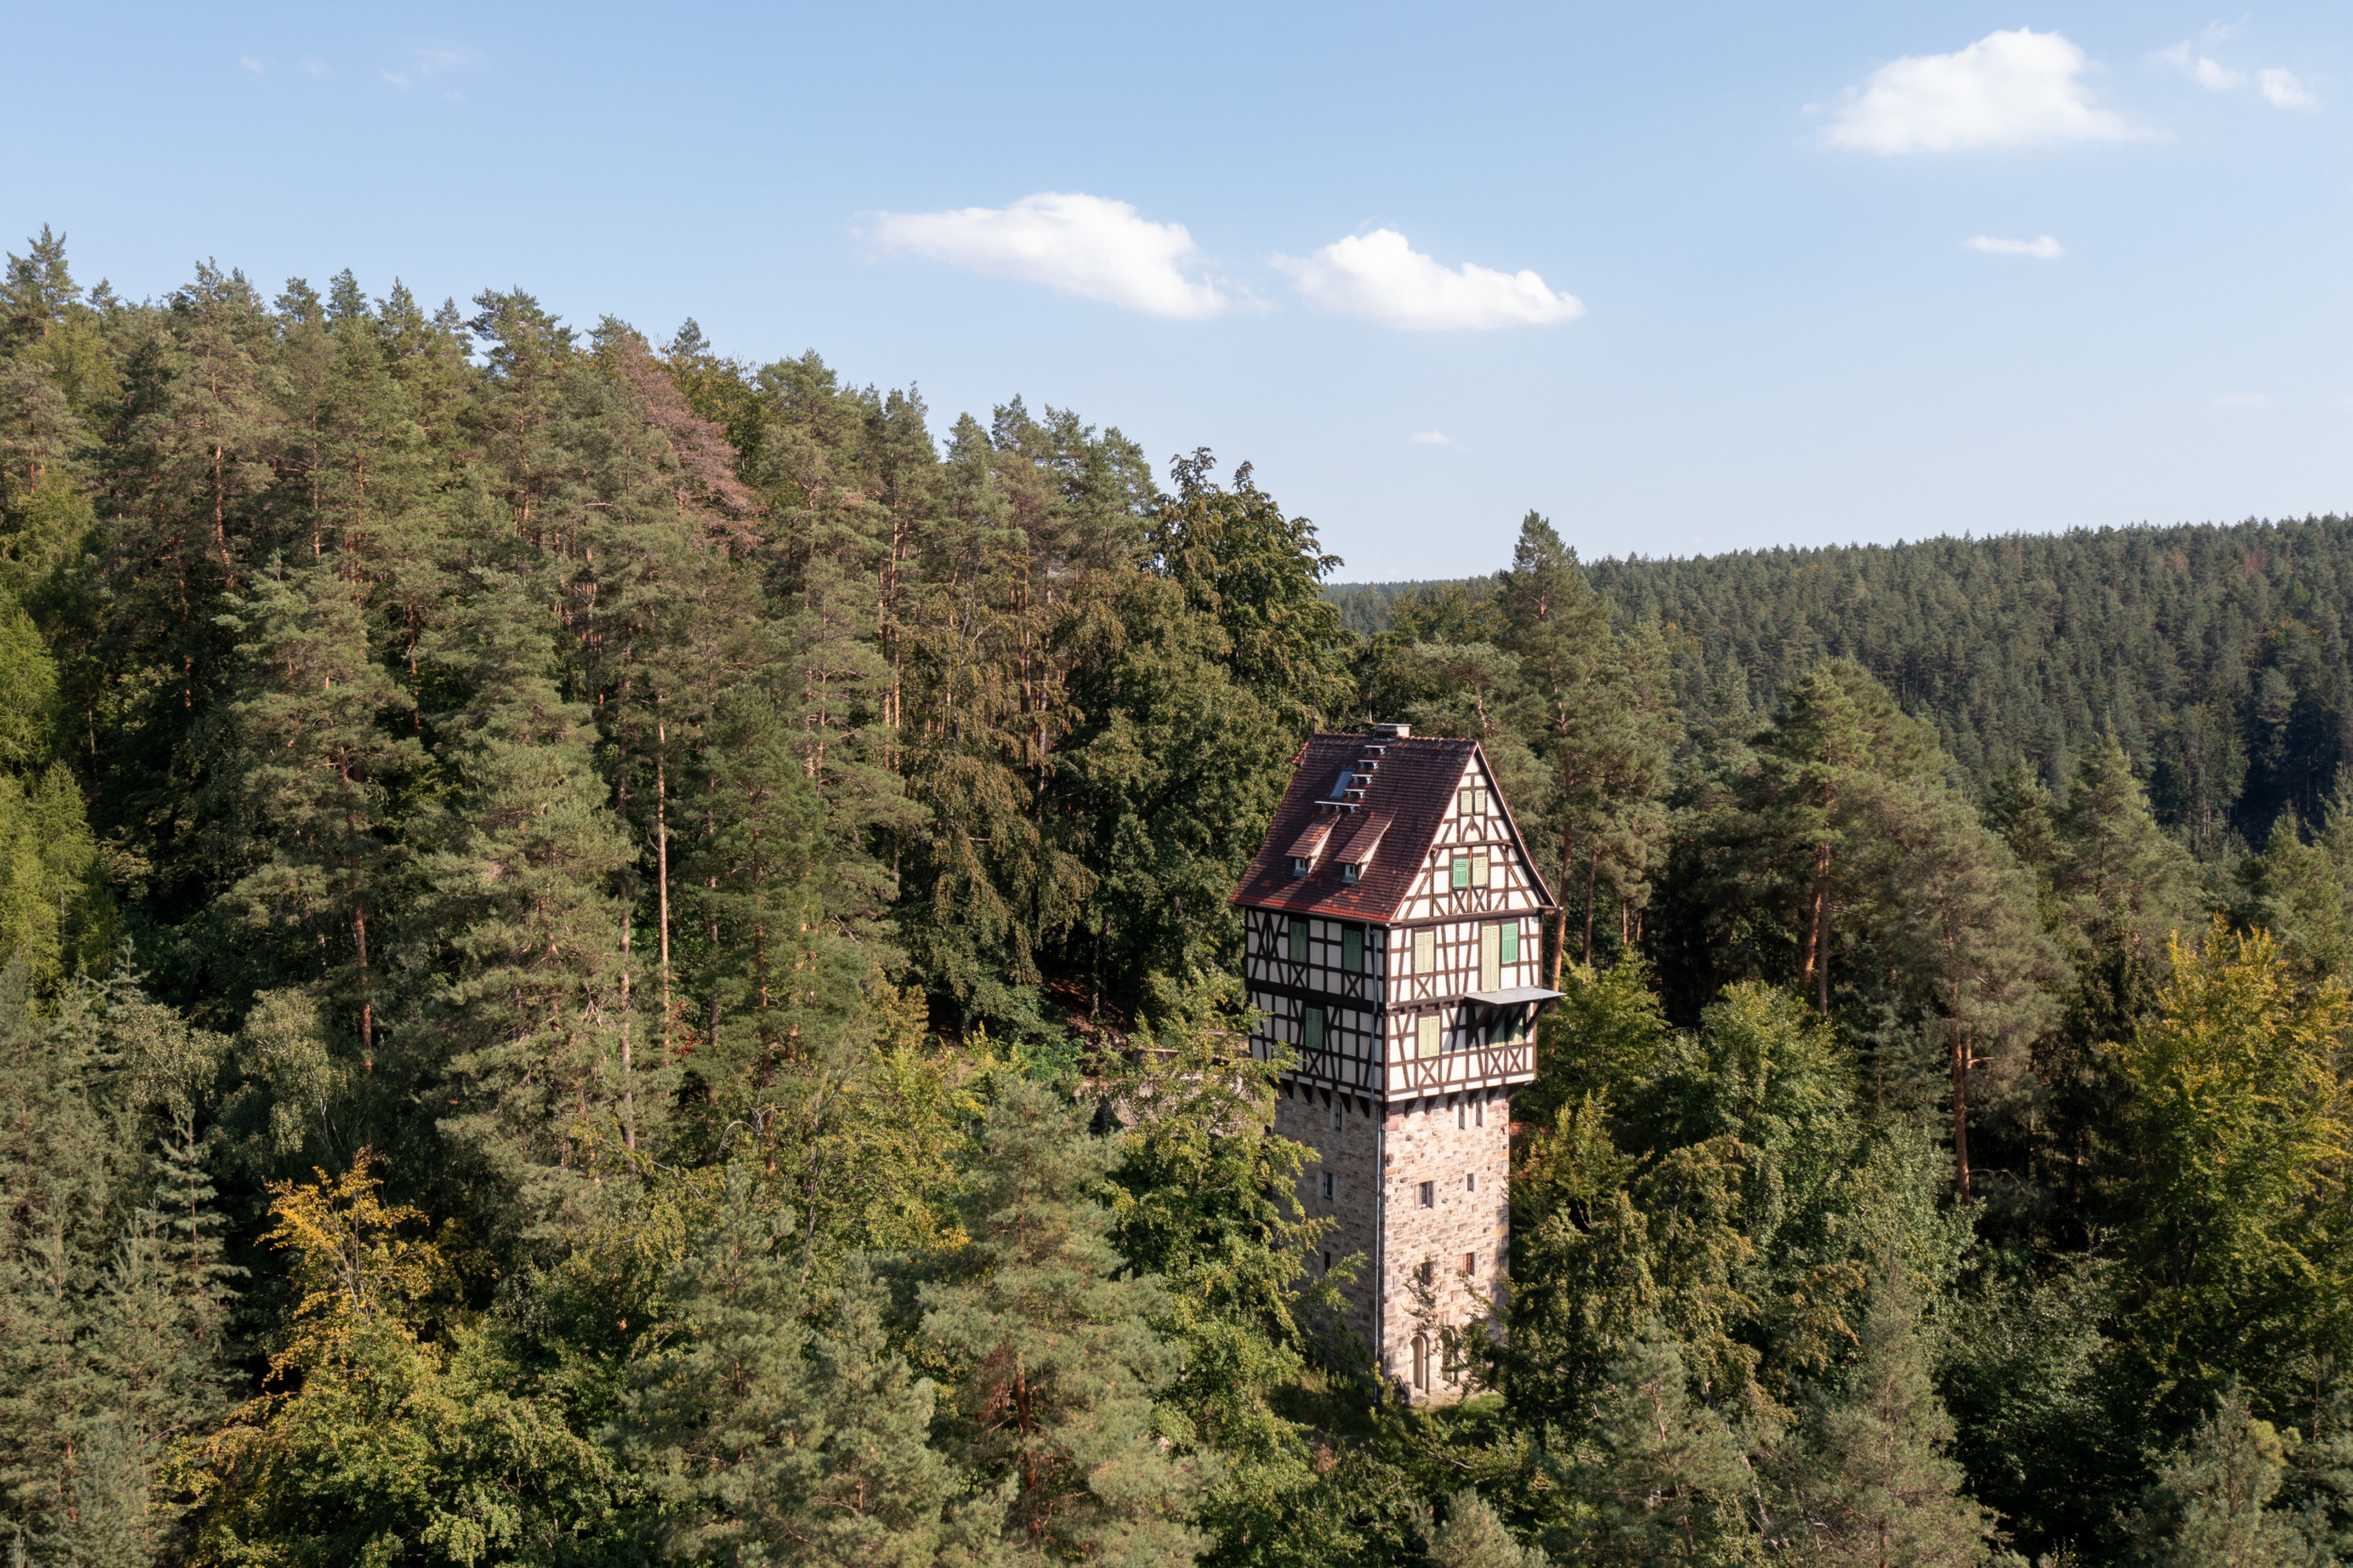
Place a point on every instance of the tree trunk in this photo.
(1592, 885)
(661, 861)
(1960, 1115)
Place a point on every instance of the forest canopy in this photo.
(613, 954)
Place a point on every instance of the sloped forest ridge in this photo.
(614, 955)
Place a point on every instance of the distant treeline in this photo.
(2216, 654)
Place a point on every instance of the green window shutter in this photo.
(1426, 1035)
(1352, 949)
(1311, 1030)
(1299, 939)
(1461, 871)
(1512, 941)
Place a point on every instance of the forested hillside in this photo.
(2216, 654)
(616, 955)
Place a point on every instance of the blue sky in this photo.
(1303, 235)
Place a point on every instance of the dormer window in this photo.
(1308, 845)
(1355, 852)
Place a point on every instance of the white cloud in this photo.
(2042, 248)
(2006, 90)
(317, 68)
(1382, 278)
(251, 65)
(2282, 91)
(2242, 400)
(432, 57)
(1082, 244)
(2215, 77)
(1431, 438)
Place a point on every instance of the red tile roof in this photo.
(1410, 782)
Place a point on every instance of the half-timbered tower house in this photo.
(1392, 941)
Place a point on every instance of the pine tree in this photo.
(1473, 1537)
(2210, 1505)
(1874, 1483)
(1055, 1364)
(1664, 1476)
(525, 883)
(766, 1444)
(1600, 728)
(319, 757)
(2125, 884)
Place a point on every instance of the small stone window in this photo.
(1470, 1263)
(1327, 1186)
(1429, 1194)
(1327, 1263)
(1470, 1183)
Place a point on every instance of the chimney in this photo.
(1394, 731)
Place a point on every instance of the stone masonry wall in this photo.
(1461, 1147)
(1376, 1182)
(1337, 1128)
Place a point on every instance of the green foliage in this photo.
(685, 827)
(2211, 1502)
(763, 1447)
(1205, 1199)
(2238, 1175)
(1870, 1478)
(1049, 1353)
